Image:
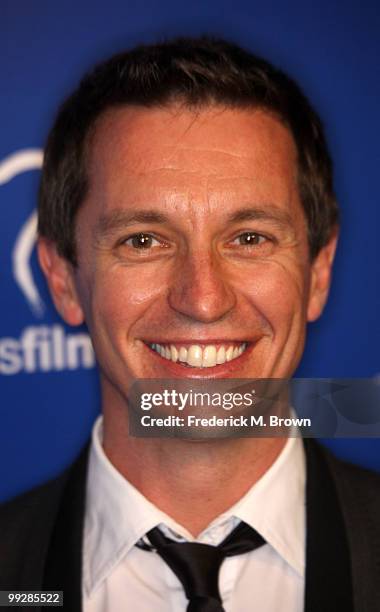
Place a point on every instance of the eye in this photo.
(142, 241)
(249, 239)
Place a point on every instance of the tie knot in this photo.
(197, 565)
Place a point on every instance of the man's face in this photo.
(192, 247)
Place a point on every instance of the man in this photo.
(187, 215)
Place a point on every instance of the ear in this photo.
(321, 269)
(59, 274)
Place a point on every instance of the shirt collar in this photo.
(118, 515)
(275, 505)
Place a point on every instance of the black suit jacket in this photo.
(41, 536)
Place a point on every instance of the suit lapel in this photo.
(328, 567)
(63, 568)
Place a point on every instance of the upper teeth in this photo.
(198, 356)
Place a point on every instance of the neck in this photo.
(191, 481)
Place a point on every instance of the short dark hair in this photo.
(196, 72)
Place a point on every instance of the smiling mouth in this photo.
(197, 356)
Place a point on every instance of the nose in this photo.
(200, 289)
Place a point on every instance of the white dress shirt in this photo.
(119, 577)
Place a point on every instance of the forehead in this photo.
(159, 153)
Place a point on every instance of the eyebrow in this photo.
(271, 213)
(117, 220)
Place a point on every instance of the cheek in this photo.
(279, 294)
(120, 296)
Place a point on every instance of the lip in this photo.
(224, 370)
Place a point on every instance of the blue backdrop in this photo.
(48, 387)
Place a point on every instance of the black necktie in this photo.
(197, 565)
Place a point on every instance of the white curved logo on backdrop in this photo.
(38, 348)
(17, 163)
